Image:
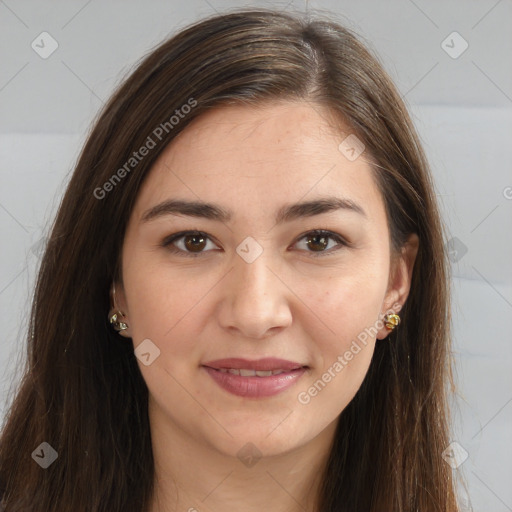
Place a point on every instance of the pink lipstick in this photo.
(254, 379)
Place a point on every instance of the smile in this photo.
(254, 379)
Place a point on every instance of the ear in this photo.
(118, 304)
(399, 285)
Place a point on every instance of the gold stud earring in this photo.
(391, 321)
(116, 317)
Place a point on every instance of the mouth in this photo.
(244, 372)
(255, 379)
(267, 364)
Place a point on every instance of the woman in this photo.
(243, 300)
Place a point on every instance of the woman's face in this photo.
(256, 284)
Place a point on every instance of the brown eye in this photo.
(189, 243)
(195, 243)
(321, 242)
(317, 242)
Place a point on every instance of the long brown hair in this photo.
(82, 391)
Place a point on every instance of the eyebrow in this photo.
(286, 213)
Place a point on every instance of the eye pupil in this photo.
(320, 241)
(198, 243)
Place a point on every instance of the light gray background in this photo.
(462, 108)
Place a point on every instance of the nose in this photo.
(255, 302)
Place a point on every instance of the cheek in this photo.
(343, 355)
(157, 295)
(347, 304)
(349, 311)
(167, 306)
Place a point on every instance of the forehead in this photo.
(270, 128)
(259, 156)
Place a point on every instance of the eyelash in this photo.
(168, 241)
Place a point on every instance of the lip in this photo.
(255, 387)
(268, 363)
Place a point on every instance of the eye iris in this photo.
(320, 241)
(198, 243)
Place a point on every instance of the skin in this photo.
(288, 303)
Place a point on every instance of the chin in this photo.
(262, 439)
